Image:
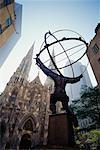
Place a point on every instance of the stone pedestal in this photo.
(60, 131)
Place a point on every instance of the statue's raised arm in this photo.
(55, 76)
(73, 80)
(47, 71)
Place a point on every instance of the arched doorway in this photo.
(28, 131)
(25, 142)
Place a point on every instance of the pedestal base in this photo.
(60, 131)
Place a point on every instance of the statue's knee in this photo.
(65, 105)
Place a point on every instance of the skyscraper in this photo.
(74, 90)
(10, 27)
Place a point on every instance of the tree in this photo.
(88, 105)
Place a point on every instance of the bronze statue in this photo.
(59, 90)
(60, 83)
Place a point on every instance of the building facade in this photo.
(94, 54)
(24, 109)
(10, 26)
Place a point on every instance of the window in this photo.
(8, 22)
(95, 48)
(28, 125)
(0, 29)
(13, 96)
(17, 78)
(21, 80)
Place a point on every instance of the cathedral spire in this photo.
(22, 72)
(51, 65)
(20, 76)
(49, 82)
(24, 67)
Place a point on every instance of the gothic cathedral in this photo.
(24, 109)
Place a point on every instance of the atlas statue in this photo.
(60, 82)
(59, 89)
(59, 79)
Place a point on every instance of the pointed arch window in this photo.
(13, 95)
(21, 80)
(28, 125)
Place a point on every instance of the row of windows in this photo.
(21, 80)
(95, 49)
(8, 22)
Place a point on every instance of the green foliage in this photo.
(95, 134)
(90, 139)
(88, 105)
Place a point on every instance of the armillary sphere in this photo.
(65, 47)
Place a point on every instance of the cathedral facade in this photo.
(24, 109)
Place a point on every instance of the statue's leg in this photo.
(65, 101)
(53, 103)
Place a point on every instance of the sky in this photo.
(40, 16)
